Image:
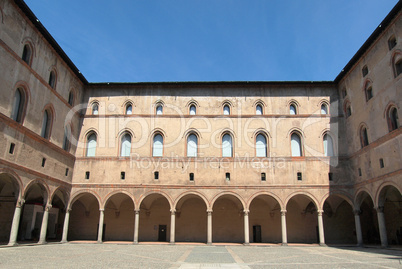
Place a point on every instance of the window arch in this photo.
(226, 109)
(125, 148)
(19, 105)
(192, 145)
(27, 54)
(293, 108)
(67, 138)
(258, 109)
(159, 109)
(71, 98)
(129, 109)
(324, 109)
(95, 108)
(347, 109)
(392, 118)
(397, 63)
(261, 145)
(368, 90)
(52, 79)
(328, 145)
(157, 145)
(296, 145)
(227, 145)
(363, 136)
(47, 124)
(192, 110)
(91, 144)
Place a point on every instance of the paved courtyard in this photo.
(195, 256)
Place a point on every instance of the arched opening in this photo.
(226, 110)
(363, 137)
(292, 109)
(392, 118)
(119, 218)
(91, 145)
(159, 109)
(228, 220)
(84, 218)
(19, 105)
(193, 110)
(368, 219)
(302, 220)
(191, 219)
(71, 98)
(9, 192)
(390, 200)
(154, 219)
(56, 216)
(328, 145)
(157, 145)
(192, 145)
(52, 79)
(265, 220)
(258, 110)
(339, 223)
(324, 109)
(27, 54)
(296, 145)
(129, 109)
(31, 219)
(261, 148)
(67, 138)
(95, 109)
(125, 149)
(227, 146)
(46, 124)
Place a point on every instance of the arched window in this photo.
(192, 145)
(26, 54)
(328, 145)
(95, 109)
(292, 109)
(364, 137)
(157, 147)
(258, 110)
(391, 42)
(129, 109)
(125, 145)
(398, 67)
(46, 124)
(52, 79)
(227, 146)
(193, 110)
(392, 118)
(324, 109)
(71, 98)
(91, 145)
(368, 91)
(159, 109)
(261, 146)
(296, 145)
(226, 110)
(364, 70)
(66, 139)
(18, 106)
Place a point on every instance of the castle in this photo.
(245, 162)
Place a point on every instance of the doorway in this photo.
(162, 233)
(257, 233)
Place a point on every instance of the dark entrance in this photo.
(162, 233)
(257, 233)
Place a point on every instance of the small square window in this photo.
(87, 175)
(43, 162)
(156, 175)
(360, 172)
(66, 174)
(12, 147)
(330, 176)
(227, 176)
(299, 176)
(123, 175)
(263, 177)
(191, 176)
(382, 163)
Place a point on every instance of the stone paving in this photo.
(189, 256)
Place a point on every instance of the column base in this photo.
(359, 245)
(42, 242)
(284, 244)
(209, 243)
(12, 244)
(135, 243)
(172, 243)
(323, 245)
(63, 241)
(246, 244)
(99, 242)
(384, 246)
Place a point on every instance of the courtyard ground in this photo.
(115, 255)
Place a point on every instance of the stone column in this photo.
(359, 234)
(172, 225)
(136, 225)
(246, 228)
(100, 230)
(209, 227)
(43, 229)
(65, 226)
(284, 232)
(16, 222)
(382, 227)
(321, 227)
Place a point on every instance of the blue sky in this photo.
(210, 40)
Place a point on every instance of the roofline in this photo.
(377, 32)
(35, 21)
(213, 83)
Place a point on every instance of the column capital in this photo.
(101, 210)
(172, 211)
(20, 202)
(357, 212)
(137, 211)
(48, 207)
(283, 212)
(246, 212)
(319, 212)
(379, 209)
(209, 211)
